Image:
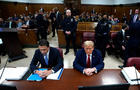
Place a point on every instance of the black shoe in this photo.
(121, 67)
(66, 52)
(53, 36)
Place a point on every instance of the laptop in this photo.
(122, 86)
(7, 87)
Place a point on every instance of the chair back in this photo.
(134, 61)
(60, 51)
(88, 36)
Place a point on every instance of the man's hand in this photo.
(68, 32)
(123, 48)
(89, 71)
(44, 73)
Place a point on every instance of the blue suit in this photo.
(55, 60)
(80, 60)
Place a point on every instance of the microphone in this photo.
(3, 69)
(137, 79)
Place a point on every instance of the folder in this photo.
(36, 77)
(131, 75)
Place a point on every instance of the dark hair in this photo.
(43, 42)
(124, 26)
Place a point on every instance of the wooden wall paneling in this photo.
(47, 7)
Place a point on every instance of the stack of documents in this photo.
(54, 76)
(13, 73)
(131, 75)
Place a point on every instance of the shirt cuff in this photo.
(95, 70)
(53, 71)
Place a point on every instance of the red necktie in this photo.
(88, 62)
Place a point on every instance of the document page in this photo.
(55, 76)
(132, 73)
(13, 73)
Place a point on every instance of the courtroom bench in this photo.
(28, 37)
(79, 33)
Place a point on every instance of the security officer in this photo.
(69, 26)
(102, 34)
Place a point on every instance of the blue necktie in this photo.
(46, 59)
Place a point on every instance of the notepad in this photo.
(131, 75)
(36, 77)
(131, 72)
(56, 76)
(13, 73)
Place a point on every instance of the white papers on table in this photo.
(55, 76)
(131, 75)
(1, 41)
(13, 73)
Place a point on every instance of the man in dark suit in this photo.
(11, 23)
(121, 40)
(133, 46)
(41, 26)
(102, 34)
(69, 27)
(48, 57)
(59, 19)
(134, 17)
(28, 22)
(53, 21)
(88, 60)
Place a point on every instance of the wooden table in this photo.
(71, 79)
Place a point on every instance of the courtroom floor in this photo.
(111, 62)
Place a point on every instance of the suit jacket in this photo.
(131, 19)
(59, 20)
(13, 25)
(69, 24)
(55, 60)
(80, 60)
(134, 32)
(120, 40)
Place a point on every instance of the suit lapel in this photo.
(93, 58)
(84, 58)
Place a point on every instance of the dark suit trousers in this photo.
(68, 38)
(41, 32)
(53, 29)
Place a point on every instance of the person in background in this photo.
(10, 23)
(48, 57)
(133, 45)
(41, 26)
(121, 40)
(102, 34)
(88, 60)
(20, 23)
(134, 17)
(69, 28)
(53, 21)
(2, 23)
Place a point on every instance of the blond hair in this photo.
(89, 43)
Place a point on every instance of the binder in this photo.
(130, 75)
(36, 77)
(54, 76)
